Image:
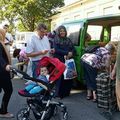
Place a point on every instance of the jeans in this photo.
(90, 75)
(34, 68)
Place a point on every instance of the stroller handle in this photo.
(24, 75)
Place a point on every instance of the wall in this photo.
(85, 9)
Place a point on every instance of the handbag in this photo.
(70, 71)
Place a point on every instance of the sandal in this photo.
(94, 100)
(89, 97)
(94, 96)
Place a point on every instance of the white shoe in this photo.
(7, 115)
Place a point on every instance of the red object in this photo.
(54, 65)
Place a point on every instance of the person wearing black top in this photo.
(63, 47)
(5, 80)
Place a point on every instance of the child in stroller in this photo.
(42, 106)
(33, 87)
(48, 71)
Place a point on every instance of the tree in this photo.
(28, 12)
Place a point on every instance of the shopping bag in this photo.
(70, 71)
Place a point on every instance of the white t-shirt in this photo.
(8, 40)
(36, 44)
(8, 37)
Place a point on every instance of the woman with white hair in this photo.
(5, 80)
(92, 62)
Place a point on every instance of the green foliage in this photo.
(28, 12)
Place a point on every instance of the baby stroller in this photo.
(42, 106)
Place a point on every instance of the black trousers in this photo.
(6, 85)
(65, 87)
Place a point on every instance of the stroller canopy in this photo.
(54, 65)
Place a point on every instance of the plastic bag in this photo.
(70, 71)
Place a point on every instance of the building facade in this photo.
(80, 9)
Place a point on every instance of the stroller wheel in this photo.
(56, 113)
(23, 114)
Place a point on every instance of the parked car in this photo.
(101, 29)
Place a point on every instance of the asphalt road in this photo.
(78, 107)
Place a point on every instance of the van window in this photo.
(22, 37)
(73, 32)
(94, 31)
(115, 33)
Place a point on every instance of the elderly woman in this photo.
(92, 62)
(5, 81)
(63, 47)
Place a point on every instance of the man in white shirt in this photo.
(38, 46)
(8, 37)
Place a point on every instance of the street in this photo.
(78, 107)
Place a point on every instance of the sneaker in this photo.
(7, 115)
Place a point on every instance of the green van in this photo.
(101, 29)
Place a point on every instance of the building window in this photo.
(94, 31)
(73, 30)
(115, 33)
(90, 14)
(107, 10)
(76, 17)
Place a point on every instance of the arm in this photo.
(60, 51)
(66, 49)
(11, 39)
(34, 54)
(3, 64)
(113, 73)
(71, 51)
(72, 48)
(107, 62)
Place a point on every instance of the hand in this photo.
(44, 52)
(113, 75)
(52, 51)
(8, 67)
(65, 57)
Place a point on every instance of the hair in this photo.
(41, 26)
(43, 67)
(16, 52)
(110, 47)
(6, 25)
(61, 27)
(2, 35)
(2, 39)
(87, 37)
